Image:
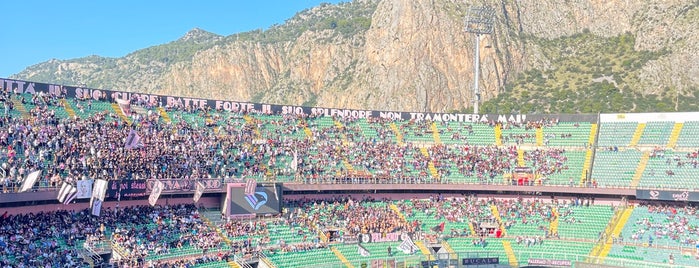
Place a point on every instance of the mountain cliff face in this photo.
(415, 55)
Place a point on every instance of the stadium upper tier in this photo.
(71, 136)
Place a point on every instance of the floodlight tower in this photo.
(479, 21)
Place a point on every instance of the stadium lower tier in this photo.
(346, 232)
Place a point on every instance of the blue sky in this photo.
(34, 31)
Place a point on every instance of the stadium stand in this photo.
(71, 139)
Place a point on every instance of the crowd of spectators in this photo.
(310, 148)
(168, 229)
(675, 225)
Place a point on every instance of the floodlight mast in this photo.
(479, 22)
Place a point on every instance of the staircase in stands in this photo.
(637, 134)
(639, 169)
(121, 115)
(68, 107)
(674, 135)
(604, 246)
(498, 134)
(435, 133)
(430, 165)
(511, 258)
(396, 131)
(342, 257)
(164, 115)
(20, 107)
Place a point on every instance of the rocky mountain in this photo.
(544, 56)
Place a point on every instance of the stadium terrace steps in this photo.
(309, 133)
(616, 231)
(233, 264)
(20, 107)
(448, 247)
(430, 164)
(593, 134)
(539, 136)
(396, 131)
(397, 211)
(640, 169)
(164, 115)
(498, 134)
(347, 165)
(68, 108)
(520, 158)
(117, 110)
(637, 134)
(496, 214)
(470, 227)
(341, 257)
(424, 250)
(674, 135)
(511, 258)
(435, 133)
(586, 166)
(207, 221)
(553, 225)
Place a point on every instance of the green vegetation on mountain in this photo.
(588, 74)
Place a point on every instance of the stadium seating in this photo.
(309, 258)
(640, 256)
(572, 134)
(584, 222)
(656, 133)
(616, 133)
(552, 249)
(689, 136)
(615, 168)
(673, 170)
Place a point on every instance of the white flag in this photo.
(99, 191)
(125, 106)
(363, 251)
(155, 193)
(97, 207)
(67, 193)
(85, 189)
(295, 162)
(407, 246)
(199, 191)
(132, 140)
(30, 181)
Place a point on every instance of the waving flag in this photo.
(67, 193)
(295, 162)
(363, 251)
(99, 191)
(438, 228)
(199, 191)
(125, 106)
(155, 193)
(97, 207)
(407, 246)
(30, 181)
(84, 189)
(132, 140)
